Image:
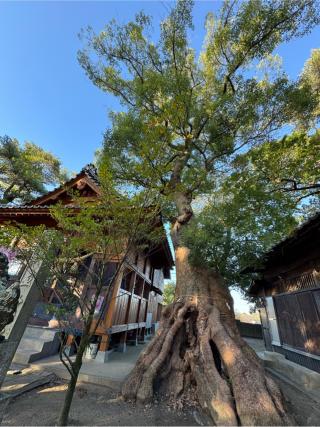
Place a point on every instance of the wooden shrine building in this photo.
(136, 300)
(289, 285)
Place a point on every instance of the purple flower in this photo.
(10, 254)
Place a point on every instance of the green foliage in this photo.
(237, 225)
(208, 125)
(270, 189)
(185, 116)
(290, 165)
(310, 82)
(168, 293)
(25, 171)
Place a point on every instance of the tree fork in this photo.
(76, 366)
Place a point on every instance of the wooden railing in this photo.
(137, 309)
(143, 310)
(119, 317)
(133, 310)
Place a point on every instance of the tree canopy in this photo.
(26, 170)
(310, 81)
(186, 115)
(186, 119)
(210, 123)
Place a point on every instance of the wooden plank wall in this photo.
(298, 315)
(142, 310)
(120, 313)
(133, 310)
(132, 304)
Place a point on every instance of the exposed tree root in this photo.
(198, 350)
(181, 356)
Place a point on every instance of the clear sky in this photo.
(45, 96)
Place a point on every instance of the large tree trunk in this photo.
(198, 347)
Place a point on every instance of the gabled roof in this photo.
(88, 175)
(293, 239)
(38, 210)
(292, 247)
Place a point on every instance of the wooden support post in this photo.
(103, 352)
(104, 344)
(122, 347)
(141, 336)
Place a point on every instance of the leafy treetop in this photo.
(186, 117)
(25, 171)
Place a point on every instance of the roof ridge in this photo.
(91, 171)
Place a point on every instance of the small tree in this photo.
(107, 230)
(185, 120)
(25, 171)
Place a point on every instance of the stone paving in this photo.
(111, 374)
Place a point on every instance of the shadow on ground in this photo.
(93, 405)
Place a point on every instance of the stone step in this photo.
(31, 344)
(23, 356)
(36, 344)
(39, 333)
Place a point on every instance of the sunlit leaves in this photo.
(197, 112)
(26, 170)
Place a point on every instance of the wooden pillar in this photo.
(102, 354)
(122, 347)
(141, 335)
(104, 344)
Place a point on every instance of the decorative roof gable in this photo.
(86, 182)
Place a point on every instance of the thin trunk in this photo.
(76, 366)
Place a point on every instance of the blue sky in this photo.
(45, 96)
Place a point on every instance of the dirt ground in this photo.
(96, 405)
(93, 405)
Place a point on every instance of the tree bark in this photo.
(198, 347)
(76, 366)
